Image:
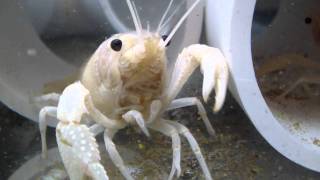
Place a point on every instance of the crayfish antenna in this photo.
(135, 16)
(164, 15)
(175, 29)
(166, 22)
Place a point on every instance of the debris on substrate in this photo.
(236, 152)
(277, 75)
(296, 107)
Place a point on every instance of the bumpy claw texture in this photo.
(79, 152)
(213, 66)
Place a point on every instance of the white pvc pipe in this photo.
(229, 28)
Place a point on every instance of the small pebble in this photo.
(141, 146)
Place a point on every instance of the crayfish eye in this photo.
(116, 44)
(164, 37)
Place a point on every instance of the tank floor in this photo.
(236, 152)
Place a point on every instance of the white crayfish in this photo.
(126, 82)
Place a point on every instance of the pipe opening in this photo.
(287, 64)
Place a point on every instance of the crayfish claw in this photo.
(214, 68)
(79, 152)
